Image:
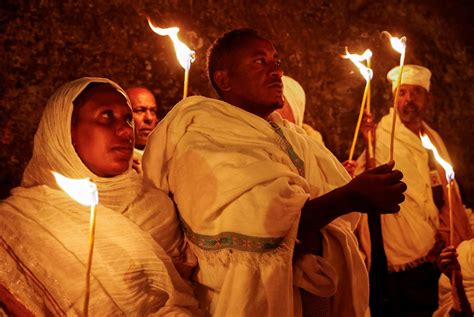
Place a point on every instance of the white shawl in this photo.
(43, 234)
(240, 196)
(410, 234)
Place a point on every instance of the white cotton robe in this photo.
(239, 196)
(409, 235)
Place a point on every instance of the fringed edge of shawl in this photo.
(282, 255)
(410, 265)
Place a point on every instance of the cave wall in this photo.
(47, 43)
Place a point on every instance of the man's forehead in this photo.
(143, 99)
(255, 46)
(413, 87)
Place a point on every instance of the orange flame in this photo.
(448, 169)
(398, 44)
(366, 72)
(185, 55)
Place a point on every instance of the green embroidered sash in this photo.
(232, 240)
(299, 163)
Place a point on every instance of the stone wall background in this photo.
(46, 43)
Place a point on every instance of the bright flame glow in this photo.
(185, 55)
(81, 190)
(366, 72)
(398, 44)
(448, 169)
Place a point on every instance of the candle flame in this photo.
(366, 72)
(185, 55)
(448, 169)
(81, 190)
(398, 44)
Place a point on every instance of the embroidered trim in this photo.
(31, 277)
(406, 266)
(232, 240)
(297, 161)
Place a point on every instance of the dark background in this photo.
(46, 43)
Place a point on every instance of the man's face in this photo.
(144, 114)
(255, 77)
(412, 103)
(102, 133)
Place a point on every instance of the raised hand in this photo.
(378, 190)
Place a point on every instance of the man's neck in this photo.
(415, 127)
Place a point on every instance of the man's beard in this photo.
(410, 113)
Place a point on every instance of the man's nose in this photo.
(149, 116)
(276, 70)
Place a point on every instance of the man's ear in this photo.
(221, 78)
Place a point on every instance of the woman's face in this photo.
(102, 132)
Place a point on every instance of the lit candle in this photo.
(398, 44)
(449, 173)
(85, 193)
(370, 148)
(448, 170)
(367, 74)
(185, 55)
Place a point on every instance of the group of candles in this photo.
(85, 192)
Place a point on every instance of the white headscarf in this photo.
(43, 233)
(296, 98)
(53, 149)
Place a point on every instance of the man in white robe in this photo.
(413, 238)
(249, 184)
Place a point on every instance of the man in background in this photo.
(413, 238)
(145, 119)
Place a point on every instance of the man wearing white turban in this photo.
(86, 131)
(413, 238)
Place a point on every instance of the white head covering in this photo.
(412, 75)
(47, 232)
(53, 149)
(296, 98)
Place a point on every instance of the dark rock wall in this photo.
(45, 43)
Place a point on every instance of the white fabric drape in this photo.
(410, 234)
(44, 234)
(240, 196)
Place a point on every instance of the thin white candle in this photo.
(85, 193)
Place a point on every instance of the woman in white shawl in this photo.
(43, 232)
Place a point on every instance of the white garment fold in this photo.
(466, 260)
(410, 234)
(44, 234)
(239, 195)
